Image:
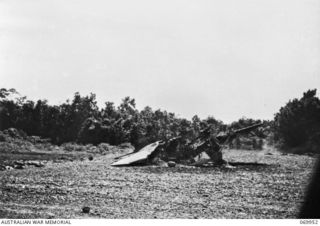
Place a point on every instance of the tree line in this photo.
(297, 124)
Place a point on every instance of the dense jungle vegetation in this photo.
(295, 127)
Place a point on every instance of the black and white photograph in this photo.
(171, 109)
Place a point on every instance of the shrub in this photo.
(297, 124)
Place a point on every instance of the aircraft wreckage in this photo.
(174, 150)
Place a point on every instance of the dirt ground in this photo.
(260, 185)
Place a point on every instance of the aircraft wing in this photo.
(137, 157)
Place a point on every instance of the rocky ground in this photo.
(259, 185)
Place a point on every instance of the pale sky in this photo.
(224, 58)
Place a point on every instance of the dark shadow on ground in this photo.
(248, 164)
(254, 166)
(233, 166)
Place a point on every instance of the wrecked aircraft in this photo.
(175, 151)
(136, 158)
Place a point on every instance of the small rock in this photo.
(229, 166)
(39, 164)
(50, 216)
(171, 164)
(35, 163)
(19, 166)
(8, 167)
(19, 163)
(86, 209)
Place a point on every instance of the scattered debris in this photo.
(20, 164)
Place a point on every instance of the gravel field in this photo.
(259, 185)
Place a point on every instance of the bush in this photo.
(2, 137)
(297, 124)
